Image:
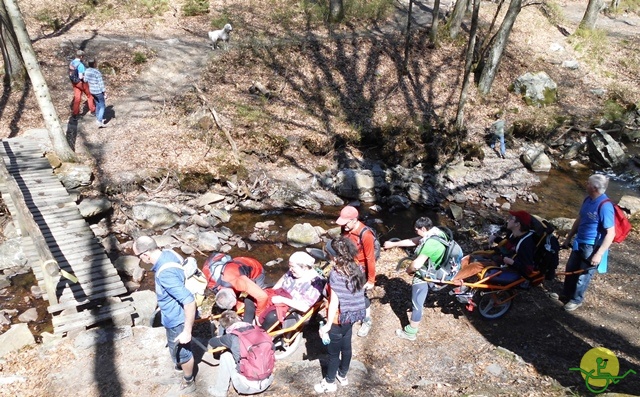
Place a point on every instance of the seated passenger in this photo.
(516, 251)
(299, 289)
(242, 275)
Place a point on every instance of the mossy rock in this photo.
(195, 182)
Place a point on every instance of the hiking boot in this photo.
(187, 386)
(324, 387)
(571, 306)
(342, 380)
(403, 335)
(365, 328)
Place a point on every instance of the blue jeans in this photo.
(100, 105)
(180, 354)
(575, 285)
(503, 148)
(419, 292)
(340, 352)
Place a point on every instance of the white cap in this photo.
(302, 259)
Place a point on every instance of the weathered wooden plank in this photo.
(79, 316)
(90, 285)
(91, 318)
(72, 303)
(103, 267)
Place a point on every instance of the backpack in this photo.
(194, 280)
(546, 256)
(73, 73)
(448, 266)
(213, 267)
(622, 224)
(257, 357)
(376, 242)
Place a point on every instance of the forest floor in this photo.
(325, 86)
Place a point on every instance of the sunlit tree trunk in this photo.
(591, 14)
(492, 61)
(13, 67)
(407, 40)
(336, 10)
(456, 18)
(51, 121)
(433, 35)
(467, 65)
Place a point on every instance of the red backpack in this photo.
(257, 357)
(622, 224)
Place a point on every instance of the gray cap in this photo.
(79, 53)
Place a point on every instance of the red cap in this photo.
(348, 213)
(523, 217)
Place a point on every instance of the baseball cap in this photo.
(79, 52)
(523, 217)
(348, 213)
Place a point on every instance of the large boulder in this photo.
(15, 338)
(359, 184)
(302, 235)
(93, 207)
(604, 150)
(536, 89)
(152, 215)
(536, 159)
(630, 203)
(73, 175)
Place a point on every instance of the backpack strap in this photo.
(364, 229)
(168, 265)
(601, 227)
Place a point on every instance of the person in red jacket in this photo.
(352, 228)
(240, 274)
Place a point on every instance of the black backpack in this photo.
(376, 242)
(74, 76)
(546, 256)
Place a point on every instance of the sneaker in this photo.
(572, 306)
(403, 335)
(187, 386)
(324, 387)
(365, 328)
(558, 297)
(342, 380)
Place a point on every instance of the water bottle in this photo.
(325, 337)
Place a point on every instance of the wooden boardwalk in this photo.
(70, 241)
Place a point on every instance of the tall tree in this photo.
(456, 18)
(489, 64)
(407, 40)
(51, 120)
(467, 65)
(591, 14)
(14, 70)
(336, 10)
(435, 18)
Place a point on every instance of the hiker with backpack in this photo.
(229, 277)
(368, 247)
(429, 250)
(76, 76)
(177, 306)
(594, 230)
(346, 306)
(250, 360)
(93, 78)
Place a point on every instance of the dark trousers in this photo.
(340, 352)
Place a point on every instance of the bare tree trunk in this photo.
(407, 41)
(492, 61)
(591, 14)
(51, 121)
(435, 18)
(614, 5)
(336, 10)
(14, 70)
(456, 18)
(467, 65)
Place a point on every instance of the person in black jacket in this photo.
(228, 370)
